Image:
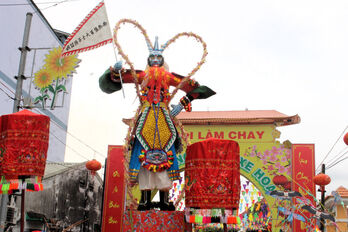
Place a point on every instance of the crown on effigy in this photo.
(155, 50)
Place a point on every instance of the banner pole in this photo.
(113, 44)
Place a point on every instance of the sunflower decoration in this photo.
(43, 78)
(60, 67)
(51, 78)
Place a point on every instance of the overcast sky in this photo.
(289, 56)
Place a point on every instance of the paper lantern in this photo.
(280, 180)
(24, 144)
(322, 179)
(93, 166)
(287, 186)
(24, 137)
(212, 170)
(345, 138)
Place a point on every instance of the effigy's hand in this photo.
(116, 76)
(118, 66)
(176, 109)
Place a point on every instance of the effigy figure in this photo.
(153, 137)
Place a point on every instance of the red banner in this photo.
(303, 171)
(114, 190)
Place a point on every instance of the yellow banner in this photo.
(240, 133)
(262, 157)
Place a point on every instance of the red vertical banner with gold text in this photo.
(303, 171)
(114, 190)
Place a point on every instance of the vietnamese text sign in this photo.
(303, 168)
(114, 190)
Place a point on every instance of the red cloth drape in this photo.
(212, 174)
(24, 140)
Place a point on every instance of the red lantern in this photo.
(280, 180)
(93, 166)
(322, 179)
(287, 186)
(24, 141)
(212, 185)
(345, 139)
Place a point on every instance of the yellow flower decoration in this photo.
(43, 78)
(60, 67)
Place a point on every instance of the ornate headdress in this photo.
(155, 50)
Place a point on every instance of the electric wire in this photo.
(56, 4)
(332, 163)
(69, 146)
(12, 98)
(79, 140)
(331, 149)
(337, 162)
(334, 159)
(75, 137)
(7, 87)
(38, 3)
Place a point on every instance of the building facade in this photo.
(339, 207)
(71, 201)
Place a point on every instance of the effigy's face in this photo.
(155, 60)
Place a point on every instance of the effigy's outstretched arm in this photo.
(110, 81)
(193, 91)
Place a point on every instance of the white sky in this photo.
(290, 56)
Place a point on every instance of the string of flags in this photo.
(29, 184)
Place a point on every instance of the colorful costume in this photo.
(154, 138)
(155, 132)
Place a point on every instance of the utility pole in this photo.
(24, 49)
(18, 96)
(322, 190)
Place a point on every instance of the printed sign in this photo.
(303, 169)
(114, 191)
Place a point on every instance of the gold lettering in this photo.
(112, 221)
(302, 161)
(116, 174)
(300, 176)
(113, 205)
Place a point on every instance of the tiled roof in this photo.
(342, 191)
(55, 168)
(237, 117)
